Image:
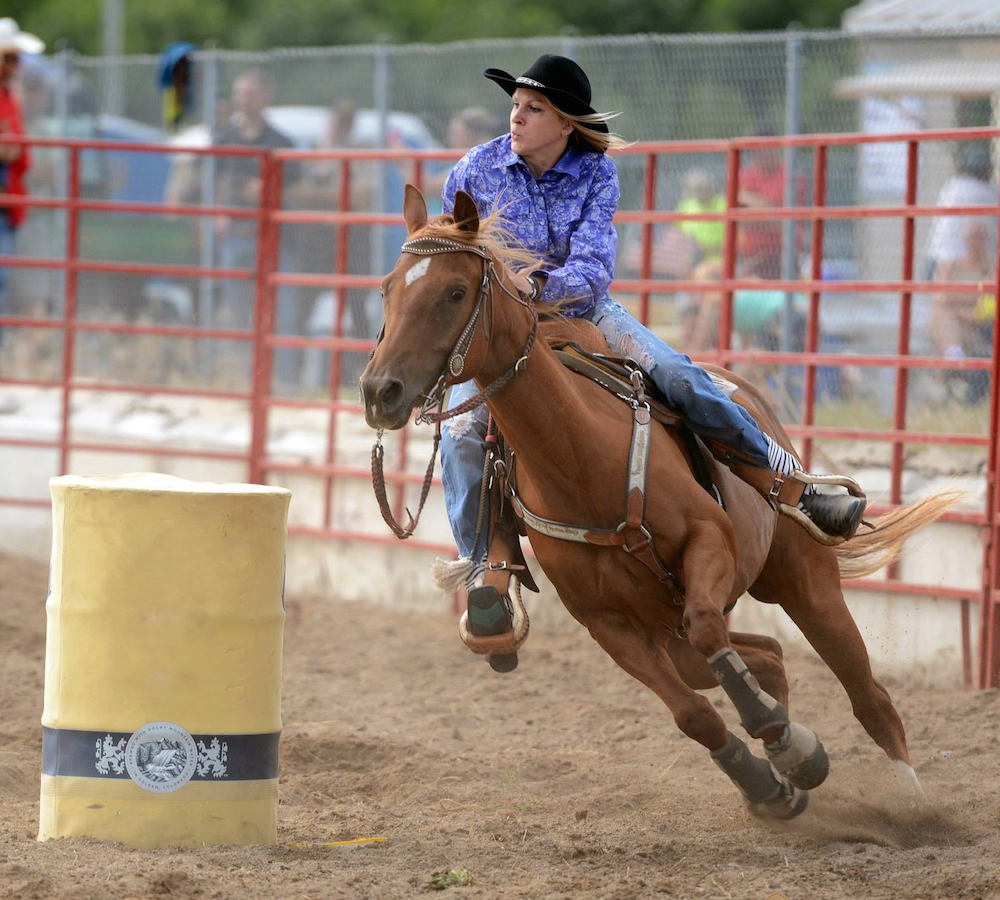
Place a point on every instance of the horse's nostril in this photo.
(392, 393)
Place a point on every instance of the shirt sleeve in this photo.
(223, 138)
(291, 170)
(23, 161)
(589, 269)
(458, 180)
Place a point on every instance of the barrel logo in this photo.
(161, 757)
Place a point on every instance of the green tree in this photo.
(261, 24)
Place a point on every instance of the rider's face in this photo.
(535, 127)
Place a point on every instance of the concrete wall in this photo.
(916, 638)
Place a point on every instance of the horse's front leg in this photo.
(708, 573)
(644, 656)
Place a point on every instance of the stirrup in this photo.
(793, 512)
(815, 532)
(844, 481)
(509, 641)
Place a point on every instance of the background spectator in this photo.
(762, 185)
(319, 188)
(679, 251)
(15, 159)
(239, 184)
(700, 196)
(963, 248)
(319, 185)
(472, 126)
(468, 128)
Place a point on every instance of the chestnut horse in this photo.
(572, 443)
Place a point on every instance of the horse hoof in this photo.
(800, 757)
(788, 804)
(907, 777)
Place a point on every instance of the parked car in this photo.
(308, 126)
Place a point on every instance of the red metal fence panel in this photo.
(266, 278)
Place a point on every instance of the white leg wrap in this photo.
(799, 756)
(796, 745)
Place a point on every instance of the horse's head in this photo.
(429, 298)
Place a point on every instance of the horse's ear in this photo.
(414, 209)
(466, 214)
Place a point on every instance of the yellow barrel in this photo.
(163, 661)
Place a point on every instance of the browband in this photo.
(427, 246)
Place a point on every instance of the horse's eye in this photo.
(457, 295)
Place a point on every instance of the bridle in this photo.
(431, 410)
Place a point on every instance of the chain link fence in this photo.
(666, 87)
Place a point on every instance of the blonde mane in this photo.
(492, 236)
(499, 243)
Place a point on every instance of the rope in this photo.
(378, 481)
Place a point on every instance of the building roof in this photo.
(881, 15)
(942, 77)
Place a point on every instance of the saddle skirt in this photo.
(624, 378)
(614, 374)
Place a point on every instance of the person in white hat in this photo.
(14, 158)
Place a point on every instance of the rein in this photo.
(430, 246)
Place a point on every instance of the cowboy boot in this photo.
(838, 515)
(829, 518)
(490, 613)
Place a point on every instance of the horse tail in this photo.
(872, 549)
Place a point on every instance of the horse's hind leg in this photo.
(645, 658)
(806, 584)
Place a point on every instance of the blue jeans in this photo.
(7, 248)
(688, 390)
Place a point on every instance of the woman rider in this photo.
(559, 191)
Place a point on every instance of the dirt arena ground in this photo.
(565, 779)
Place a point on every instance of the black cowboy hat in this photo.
(558, 78)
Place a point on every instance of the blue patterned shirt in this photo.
(564, 217)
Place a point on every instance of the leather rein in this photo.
(431, 410)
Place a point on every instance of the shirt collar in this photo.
(509, 157)
(568, 163)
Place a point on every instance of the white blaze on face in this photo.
(418, 271)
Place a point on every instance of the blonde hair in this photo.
(584, 138)
(499, 242)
